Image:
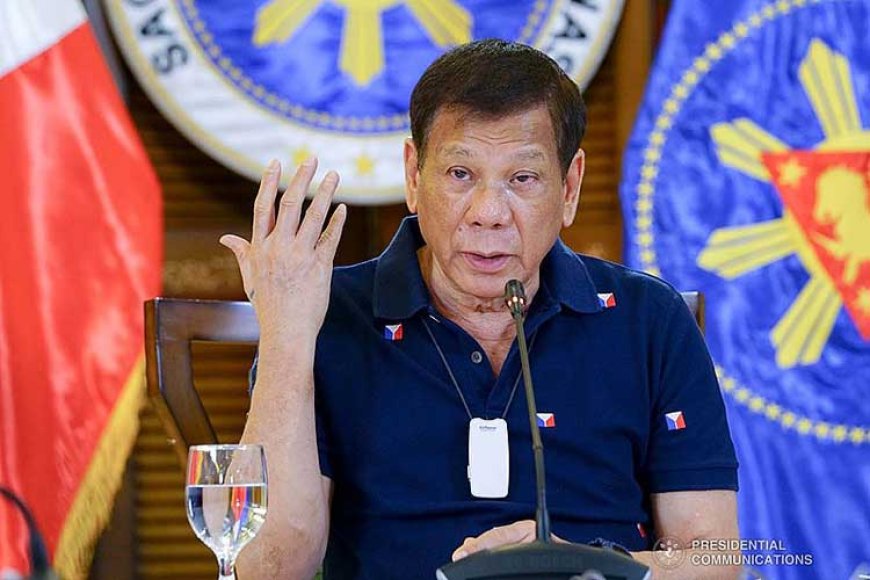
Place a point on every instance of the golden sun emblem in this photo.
(362, 45)
(826, 217)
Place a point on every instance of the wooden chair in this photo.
(171, 324)
(695, 301)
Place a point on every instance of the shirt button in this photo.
(476, 357)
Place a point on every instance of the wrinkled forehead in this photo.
(462, 133)
(516, 152)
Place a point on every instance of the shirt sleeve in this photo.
(322, 448)
(690, 445)
(321, 423)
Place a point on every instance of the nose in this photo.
(489, 207)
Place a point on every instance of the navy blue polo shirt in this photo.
(629, 381)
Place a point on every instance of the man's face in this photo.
(490, 196)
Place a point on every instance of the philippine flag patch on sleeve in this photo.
(546, 420)
(676, 420)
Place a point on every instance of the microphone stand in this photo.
(541, 559)
(516, 301)
(40, 568)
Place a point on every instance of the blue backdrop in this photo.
(733, 81)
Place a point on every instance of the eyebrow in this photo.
(524, 155)
(530, 155)
(456, 150)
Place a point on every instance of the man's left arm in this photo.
(690, 468)
(688, 517)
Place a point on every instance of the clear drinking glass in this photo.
(226, 498)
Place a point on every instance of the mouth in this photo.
(487, 263)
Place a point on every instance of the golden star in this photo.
(365, 165)
(713, 52)
(791, 172)
(300, 154)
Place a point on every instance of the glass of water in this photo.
(226, 498)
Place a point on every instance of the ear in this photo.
(573, 180)
(412, 175)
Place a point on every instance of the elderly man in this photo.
(369, 375)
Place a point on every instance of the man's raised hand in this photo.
(287, 266)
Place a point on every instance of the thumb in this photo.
(236, 244)
(516, 533)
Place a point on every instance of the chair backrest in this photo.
(171, 324)
(695, 301)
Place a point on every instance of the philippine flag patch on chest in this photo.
(675, 420)
(394, 332)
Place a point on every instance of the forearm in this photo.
(292, 541)
(685, 567)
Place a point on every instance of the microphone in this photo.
(515, 298)
(39, 566)
(540, 559)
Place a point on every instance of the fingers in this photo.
(310, 232)
(328, 242)
(291, 201)
(238, 245)
(516, 533)
(315, 216)
(264, 203)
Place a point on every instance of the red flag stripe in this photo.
(80, 249)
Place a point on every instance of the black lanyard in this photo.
(456, 383)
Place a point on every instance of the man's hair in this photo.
(493, 79)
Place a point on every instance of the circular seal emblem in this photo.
(765, 205)
(669, 552)
(251, 80)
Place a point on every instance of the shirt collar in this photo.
(568, 279)
(400, 291)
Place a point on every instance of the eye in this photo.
(525, 178)
(459, 173)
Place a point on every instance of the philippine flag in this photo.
(607, 299)
(675, 420)
(546, 420)
(81, 245)
(393, 332)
